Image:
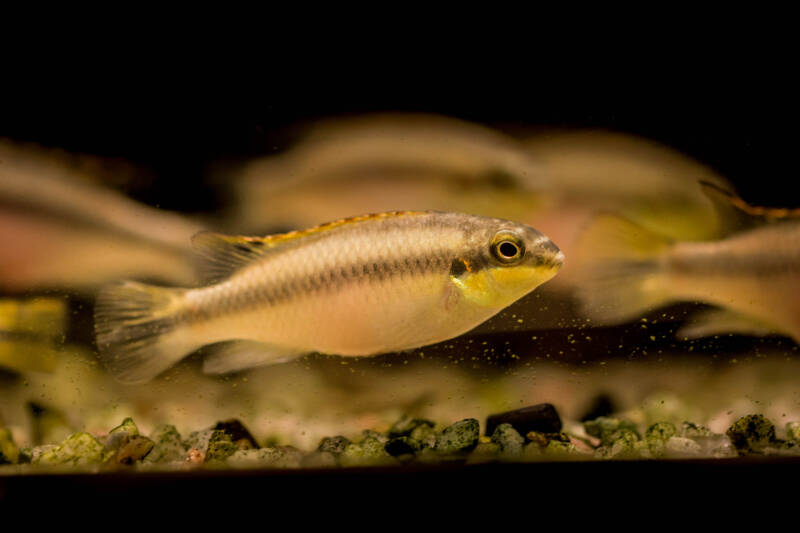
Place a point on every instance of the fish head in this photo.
(509, 261)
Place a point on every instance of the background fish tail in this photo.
(620, 270)
(138, 335)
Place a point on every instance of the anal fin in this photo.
(233, 356)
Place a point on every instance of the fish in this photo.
(751, 276)
(595, 171)
(361, 286)
(61, 229)
(383, 162)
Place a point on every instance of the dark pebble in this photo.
(238, 432)
(541, 418)
(401, 446)
(135, 449)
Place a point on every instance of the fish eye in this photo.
(507, 248)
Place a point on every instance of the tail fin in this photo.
(618, 269)
(137, 332)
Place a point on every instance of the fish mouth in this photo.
(552, 257)
(557, 261)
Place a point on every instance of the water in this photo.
(541, 349)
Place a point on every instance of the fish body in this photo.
(753, 275)
(356, 287)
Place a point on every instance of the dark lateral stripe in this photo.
(330, 280)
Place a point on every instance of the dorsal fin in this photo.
(736, 214)
(225, 254)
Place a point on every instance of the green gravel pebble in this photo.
(604, 427)
(694, 431)
(622, 443)
(370, 451)
(657, 436)
(9, 453)
(25, 455)
(661, 431)
(371, 434)
(277, 457)
(508, 439)
(128, 427)
(77, 449)
(484, 452)
(120, 435)
(167, 445)
(459, 437)
(557, 447)
(751, 433)
(793, 431)
(373, 446)
(215, 444)
(334, 445)
(425, 435)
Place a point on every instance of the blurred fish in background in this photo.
(374, 163)
(752, 274)
(61, 229)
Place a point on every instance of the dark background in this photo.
(737, 113)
